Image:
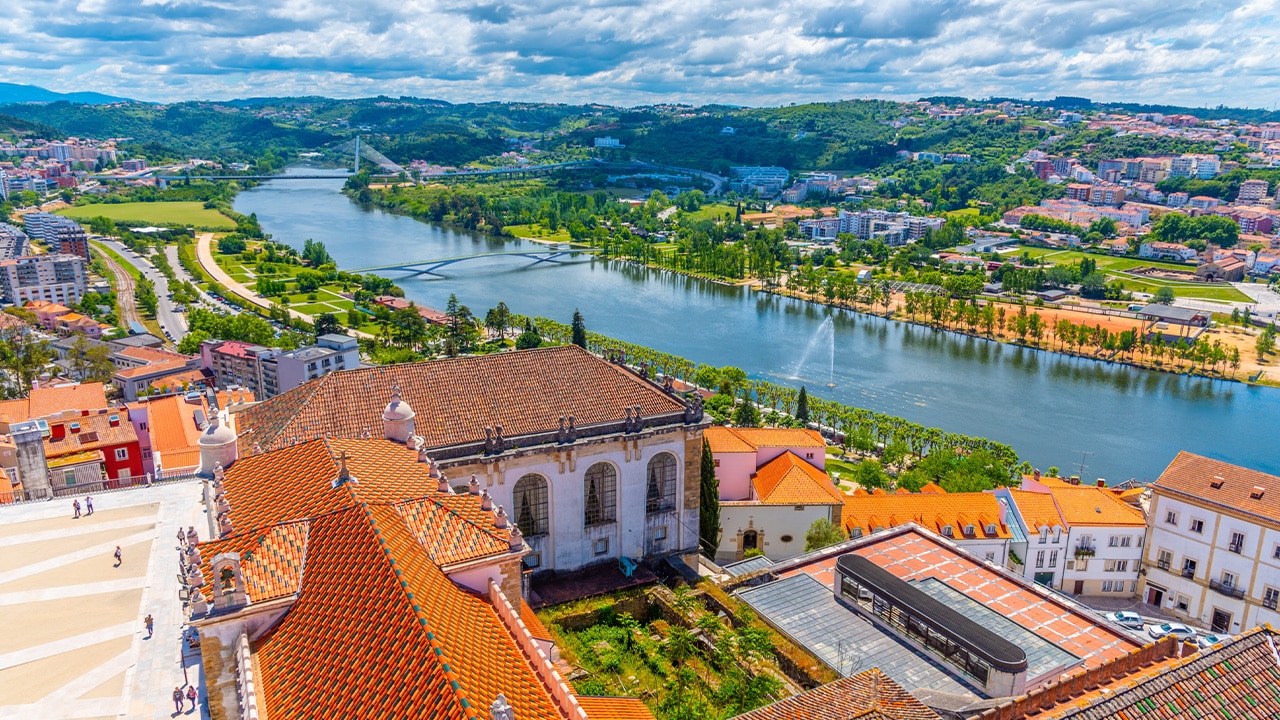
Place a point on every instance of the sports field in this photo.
(193, 214)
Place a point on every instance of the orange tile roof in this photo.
(729, 440)
(931, 510)
(96, 432)
(1192, 477)
(1037, 510)
(725, 440)
(870, 694)
(157, 361)
(171, 422)
(373, 605)
(46, 401)
(614, 708)
(788, 480)
(525, 392)
(1088, 505)
(530, 620)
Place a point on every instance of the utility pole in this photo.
(357, 167)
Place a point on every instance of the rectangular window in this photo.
(1106, 586)
(1197, 526)
(122, 453)
(1275, 553)
(1053, 559)
(1116, 566)
(1188, 568)
(1133, 586)
(1183, 604)
(1114, 541)
(601, 546)
(1126, 541)
(1228, 579)
(1039, 558)
(991, 557)
(717, 463)
(1071, 564)
(660, 533)
(1237, 542)
(1164, 559)
(533, 560)
(1044, 538)
(1270, 597)
(1082, 564)
(1171, 517)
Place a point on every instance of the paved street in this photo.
(74, 644)
(171, 320)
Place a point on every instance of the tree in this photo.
(90, 363)
(530, 338)
(22, 355)
(709, 504)
(498, 319)
(746, 414)
(190, 344)
(1163, 296)
(102, 225)
(821, 534)
(327, 323)
(579, 329)
(231, 244)
(869, 475)
(802, 406)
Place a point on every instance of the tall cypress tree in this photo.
(802, 406)
(579, 330)
(709, 505)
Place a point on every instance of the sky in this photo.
(634, 52)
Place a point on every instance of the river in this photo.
(1053, 409)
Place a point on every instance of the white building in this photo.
(1166, 251)
(1103, 540)
(53, 278)
(975, 521)
(1213, 549)
(1252, 192)
(592, 462)
(773, 487)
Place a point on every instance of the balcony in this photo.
(1235, 547)
(1189, 573)
(1228, 590)
(1085, 551)
(1162, 564)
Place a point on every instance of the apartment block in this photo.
(55, 278)
(61, 234)
(268, 372)
(13, 242)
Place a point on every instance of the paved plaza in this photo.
(74, 644)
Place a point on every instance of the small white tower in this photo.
(397, 418)
(217, 446)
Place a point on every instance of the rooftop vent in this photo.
(1217, 482)
(75, 427)
(1256, 494)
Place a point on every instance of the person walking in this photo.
(88, 504)
(177, 699)
(75, 504)
(193, 695)
(119, 556)
(151, 624)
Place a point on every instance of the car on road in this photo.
(1210, 639)
(1127, 619)
(1178, 630)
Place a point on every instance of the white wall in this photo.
(1095, 573)
(773, 523)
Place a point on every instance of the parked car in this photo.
(1209, 639)
(1178, 630)
(1126, 618)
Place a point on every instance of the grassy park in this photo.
(1118, 268)
(193, 214)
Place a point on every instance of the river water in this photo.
(1053, 409)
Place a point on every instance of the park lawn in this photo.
(1105, 262)
(963, 213)
(537, 232)
(314, 308)
(1201, 291)
(713, 211)
(153, 213)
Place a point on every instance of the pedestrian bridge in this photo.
(429, 267)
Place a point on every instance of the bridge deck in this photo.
(427, 266)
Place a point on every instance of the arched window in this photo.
(529, 504)
(600, 491)
(661, 495)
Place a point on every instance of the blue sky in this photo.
(748, 52)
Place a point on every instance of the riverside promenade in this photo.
(74, 644)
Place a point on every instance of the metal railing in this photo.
(1189, 573)
(1228, 590)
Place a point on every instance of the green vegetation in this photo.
(822, 533)
(185, 214)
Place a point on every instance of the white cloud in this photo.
(632, 51)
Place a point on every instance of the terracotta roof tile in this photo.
(1037, 510)
(456, 399)
(870, 694)
(725, 440)
(171, 422)
(1193, 477)
(788, 480)
(614, 708)
(46, 401)
(747, 439)
(931, 510)
(531, 621)
(96, 432)
(271, 559)
(452, 528)
(1088, 505)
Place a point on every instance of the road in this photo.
(171, 252)
(170, 319)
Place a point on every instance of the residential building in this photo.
(61, 234)
(44, 403)
(289, 369)
(169, 427)
(430, 578)
(974, 521)
(762, 181)
(608, 142)
(1156, 250)
(134, 165)
(1203, 202)
(140, 368)
(1178, 199)
(1213, 550)
(1252, 222)
(91, 450)
(76, 324)
(1104, 536)
(1252, 192)
(1042, 552)
(54, 278)
(237, 364)
(13, 242)
(773, 487)
(596, 462)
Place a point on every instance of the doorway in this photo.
(1155, 596)
(1079, 588)
(750, 540)
(1221, 621)
(1044, 578)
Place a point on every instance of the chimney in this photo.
(500, 518)
(114, 421)
(486, 500)
(75, 427)
(473, 487)
(1037, 475)
(33, 468)
(1257, 492)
